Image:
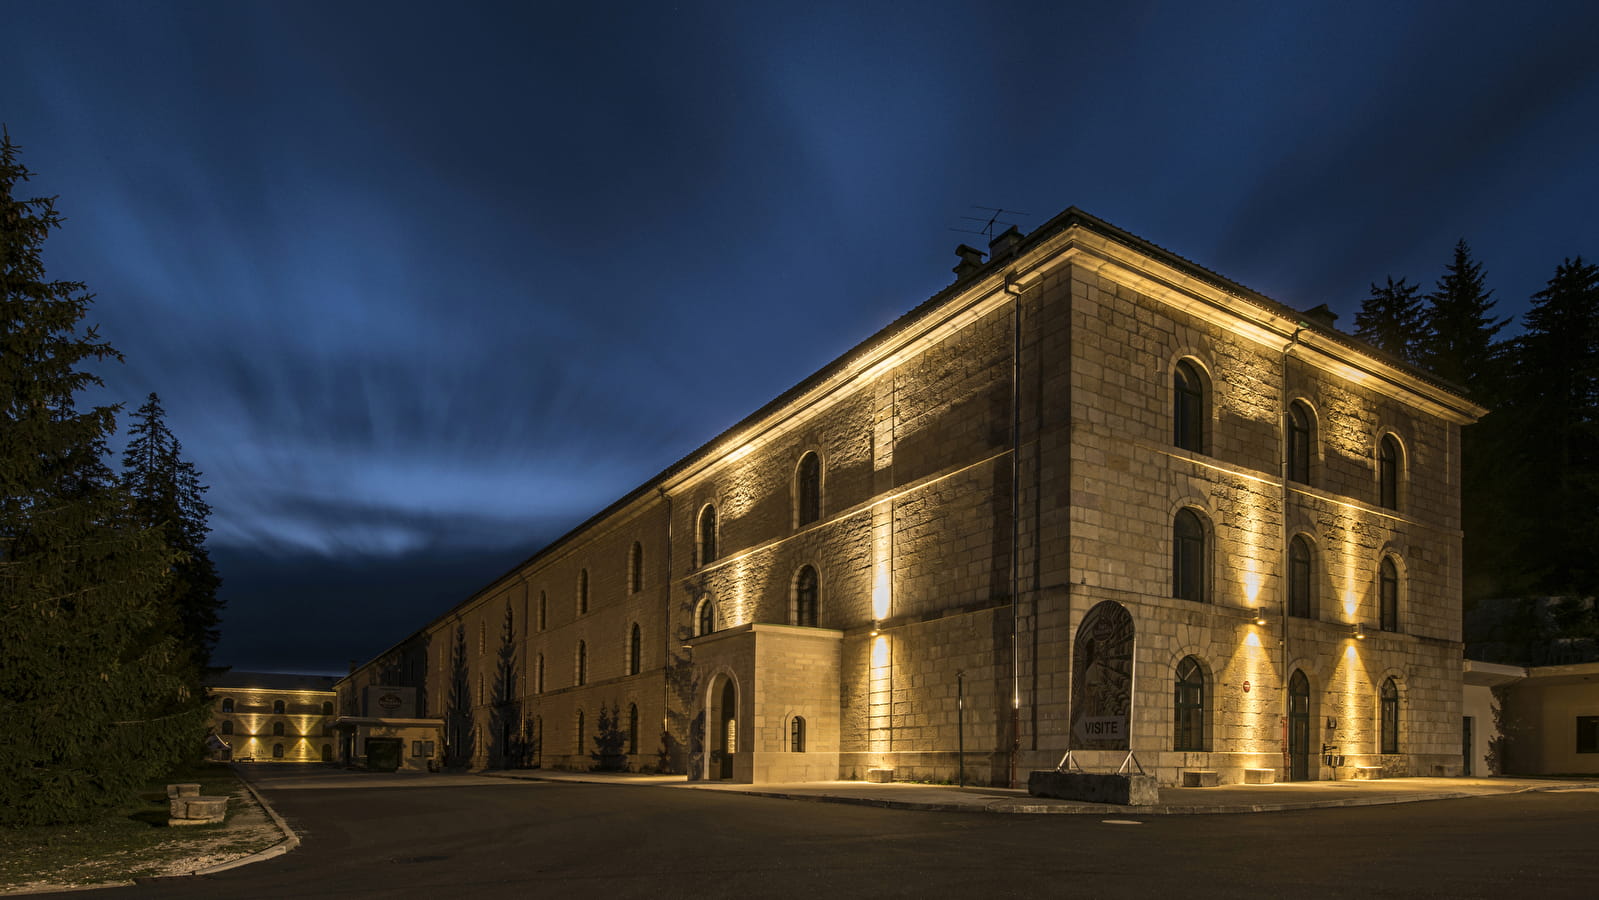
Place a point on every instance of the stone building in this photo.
(1090, 497)
(269, 716)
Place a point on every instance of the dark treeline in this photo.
(108, 600)
(1530, 468)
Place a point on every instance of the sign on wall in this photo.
(1102, 679)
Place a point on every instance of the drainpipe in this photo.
(667, 499)
(1282, 442)
(1015, 525)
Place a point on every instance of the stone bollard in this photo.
(188, 807)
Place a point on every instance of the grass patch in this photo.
(124, 842)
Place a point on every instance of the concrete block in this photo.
(880, 776)
(175, 791)
(1200, 778)
(198, 810)
(1123, 790)
(1366, 773)
(1260, 776)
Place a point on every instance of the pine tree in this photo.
(87, 692)
(169, 497)
(1391, 319)
(1458, 340)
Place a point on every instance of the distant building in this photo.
(1534, 720)
(1090, 497)
(269, 716)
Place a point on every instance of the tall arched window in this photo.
(1190, 557)
(707, 535)
(1389, 461)
(632, 728)
(227, 726)
(583, 592)
(579, 741)
(1188, 407)
(227, 704)
(1189, 702)
(582, 663)
(635, 650)
(806, 596)
(1389, 699)
(705, 620)
(1388, 595)
(277, 707)
(277, 729)
(1301, 578)
(1299, 423)
(544, 608)
(635, 568)
(538, 675)
(808, 489)
(796, 735)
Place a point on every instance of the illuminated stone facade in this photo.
(273, 717)
(814, 590)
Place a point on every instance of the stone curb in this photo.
(289, 842)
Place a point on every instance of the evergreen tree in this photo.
(88, 696)
(609, 742)
(1391, 319)
(169, 497)
(1458, 340)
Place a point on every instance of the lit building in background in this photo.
(272, 717)
(1137, 508)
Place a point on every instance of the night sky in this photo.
(423, 285)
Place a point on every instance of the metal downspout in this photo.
(1283, 558)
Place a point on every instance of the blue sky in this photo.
(423, 285)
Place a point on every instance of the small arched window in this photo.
(1388, 595)
(1299, 440)
(582, 592)
(808, 489)
(277, 729)
(582, 663)
(707, 535)
(538, 675)
(1190, 557)
(632, 728)
(705, 621)
(1390, 460)
(277, 751)
(1188, 407)
(277, 707)
(1389, 700)
(806, 596)
(796, 735)
(635, 650)
(1301, 578)
(327, 707)
(543, 611)
(227, 704)
(635, 568)
(1189, 703)
(227, 726)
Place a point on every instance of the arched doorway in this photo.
(721, 720)
(1298, 727)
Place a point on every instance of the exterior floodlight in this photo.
(1357, 631)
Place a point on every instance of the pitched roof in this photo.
(272, 681)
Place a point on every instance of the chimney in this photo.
(1321, 315)
(1004, 244)
(971, 261)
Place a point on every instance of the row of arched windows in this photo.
(635, 583)
(580, 735)
(279, 707)
(1191, 413)
(1190, 699)
(633, 662)
(804, 604)
(1191, 567)
(807, 509)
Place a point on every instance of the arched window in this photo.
(707, 535)
(582, 663)
(227, 704)
(580, 731)
(277, 751)
(635, 568)
(808, 490)
(1389, 462)
(1388, 595)
(635, 651)
(543, 611)
(327, 753)
(277, 707)
(705, 621)
(632, 728)
(1189, 732)
(1301, 578)
(277, 729)
(227, 726)
(327, 707)
(1390, 716)
(1299, 422)
(582, 592)
(796, 735)
(1188, 407)
(806, 594)
(1190, 557)
(538, 675)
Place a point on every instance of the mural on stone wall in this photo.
(1102, 679)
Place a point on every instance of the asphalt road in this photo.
(492, 838)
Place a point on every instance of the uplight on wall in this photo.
(1357, 631)
(1260, 616)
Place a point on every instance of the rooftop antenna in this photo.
(990, 221)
